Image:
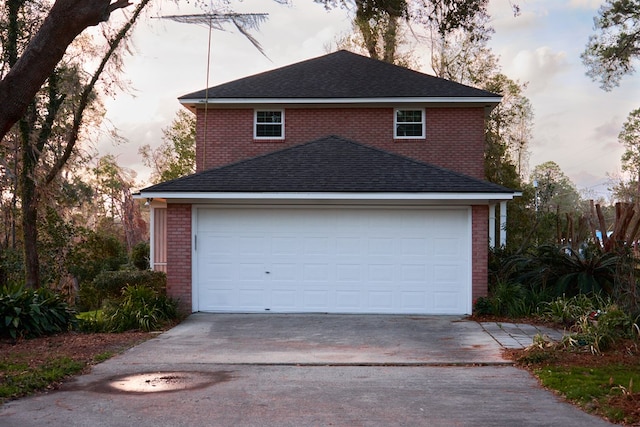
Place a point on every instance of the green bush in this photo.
(96, 253)
(140, 308)
(140, 256)
(32, 313)
(109, 285)
(483, 306)
(11, 267)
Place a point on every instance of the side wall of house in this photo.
(480, 251)
(454, 136)
(179, 255)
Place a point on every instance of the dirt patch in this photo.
(81, 347)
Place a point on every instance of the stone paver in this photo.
(519, 335)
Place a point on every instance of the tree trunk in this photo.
(29, 217)
(66, 20)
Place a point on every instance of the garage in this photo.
(328, 259)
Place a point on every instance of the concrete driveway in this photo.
(305, 370)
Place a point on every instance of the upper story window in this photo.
(409, 124)
(269, 124)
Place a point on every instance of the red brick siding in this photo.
(179, 279)
(454, 136)
(480, 251)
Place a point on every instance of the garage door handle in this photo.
(267, 272)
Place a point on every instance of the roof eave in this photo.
(341, 196)
(488, 101)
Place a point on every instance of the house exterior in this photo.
(338, 184)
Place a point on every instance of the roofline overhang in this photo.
(460, 101)
(392, 197)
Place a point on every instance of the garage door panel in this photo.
(413, 273)
(316, 299)
(251, 298)
(348, 300)
(333, 260)
(350, 273)
(413, 299)
(284, 272)
(381, 300)
(283, 299)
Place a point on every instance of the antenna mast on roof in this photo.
(243, 22)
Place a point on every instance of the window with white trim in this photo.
(409, 124)
(268, 124)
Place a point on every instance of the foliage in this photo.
(32, 313)
(176, 156)
(564, 271)
(599, 330)
(113, 185)
(140, 308)
(19, 379)
(109, 285)
(509, 299)
(56, 109)
(630, 159)
(97, 252)
(568, 311)
(11, 268)
(140, 256)
(555, 191)
(610, 52)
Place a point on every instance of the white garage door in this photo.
(333, 260)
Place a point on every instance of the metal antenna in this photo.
(243, 22)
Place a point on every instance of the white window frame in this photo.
(255, 123)
(423, 123)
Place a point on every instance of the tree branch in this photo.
(66, 20)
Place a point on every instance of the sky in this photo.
(576, 124)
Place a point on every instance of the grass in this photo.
(593, 388)
(19, 379)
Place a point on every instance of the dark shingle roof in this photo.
(330, 164)
(340, 75)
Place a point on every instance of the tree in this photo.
(610, 53)
(65, 21)
(556, 191)
(629, 189)
(113, 185)
(465, 57)
(52, 122)
(176, 156)
(378, 21)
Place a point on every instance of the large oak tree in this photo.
(65, 21)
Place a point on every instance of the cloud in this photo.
(538, 67)
(608, 131)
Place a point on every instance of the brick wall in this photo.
(179, 254)
(480, 251)
(454, 136)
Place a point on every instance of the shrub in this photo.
(11, 267)
(140, 308)
(568, 311)
(32, 313)
(96, 253)
(140, 256)
(600, 325)
(108, 285)
(565, 271)
(483, 306)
